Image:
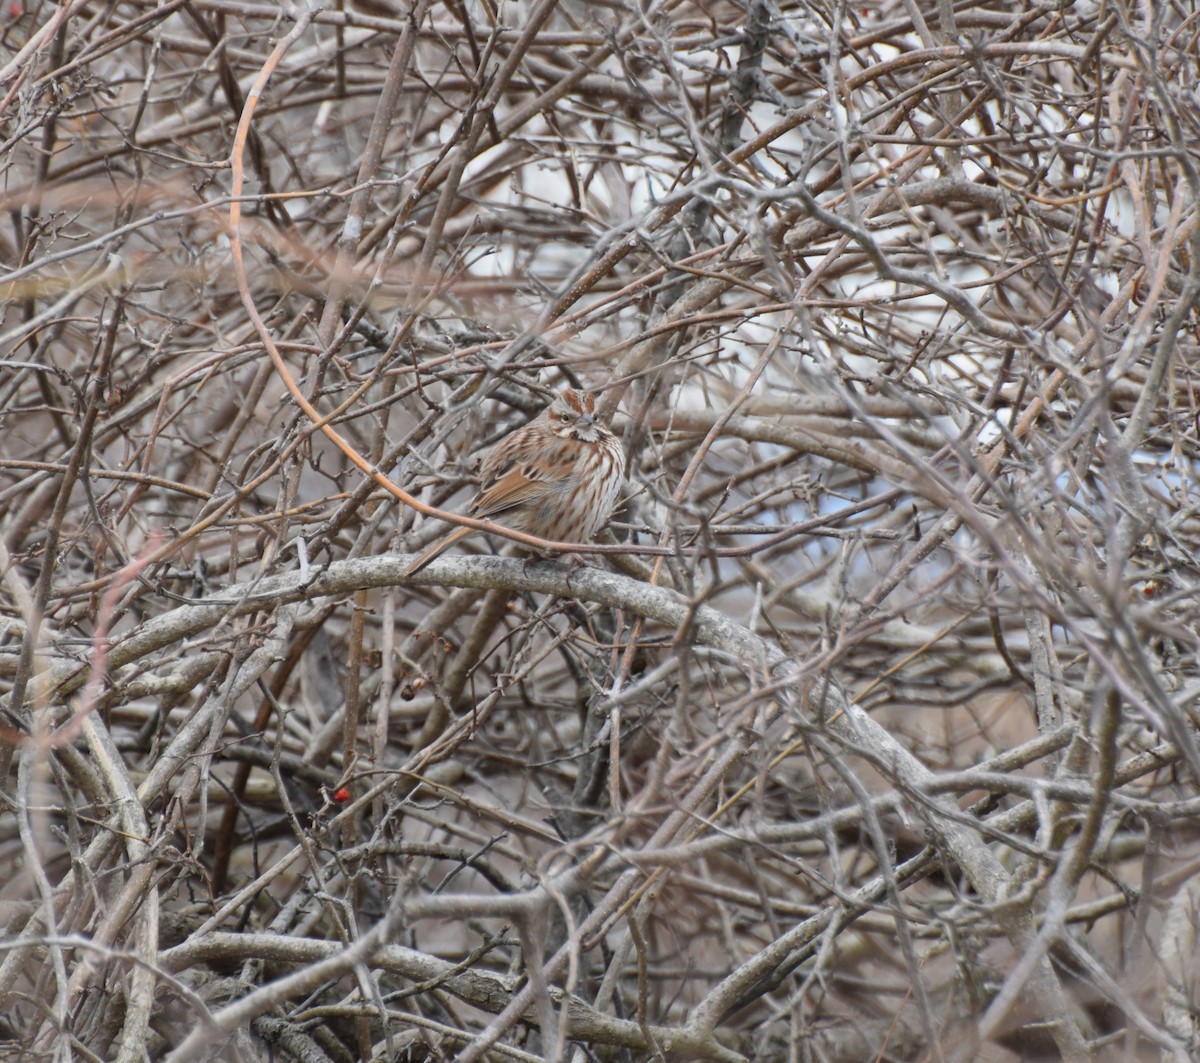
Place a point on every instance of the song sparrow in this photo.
(556, 477)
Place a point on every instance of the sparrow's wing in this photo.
(517, 483)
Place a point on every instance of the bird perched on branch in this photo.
(557, 477)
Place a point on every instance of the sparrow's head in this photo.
(573, 416)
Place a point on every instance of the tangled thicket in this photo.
(868, 729)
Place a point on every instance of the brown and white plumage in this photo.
(557, 477)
